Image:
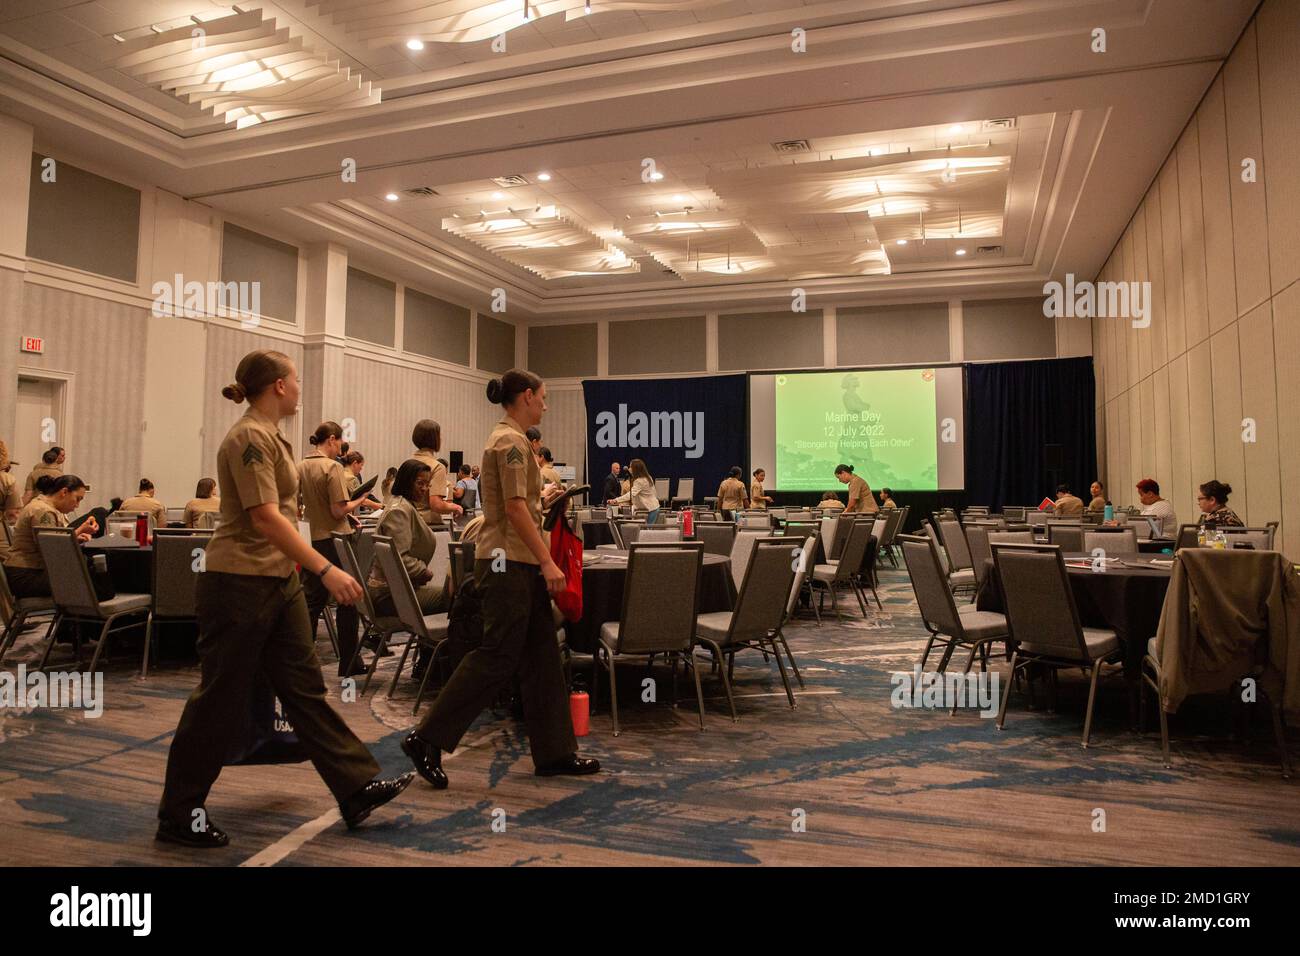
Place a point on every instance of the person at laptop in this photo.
(1067, 503)
(1156, 507)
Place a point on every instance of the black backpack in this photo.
(464, 622)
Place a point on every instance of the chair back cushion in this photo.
(765, 591)
(70, 582)
(660, 597)
(717, 537)
(930, 585)
(1039, 603)
(1118, 541)
(177, 560)
(400, 587)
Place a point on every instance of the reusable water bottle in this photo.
(1109, 514)
(580, 711)
(688, 523)
(142, 530)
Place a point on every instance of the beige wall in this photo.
(1222, 257)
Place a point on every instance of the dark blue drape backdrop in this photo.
(719, 398)
(1016, 409)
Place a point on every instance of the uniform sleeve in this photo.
(45, 519)
(397, 525)
(12, 499)
(512, 465)
(336, 485)
(438, 482)
(29, 484)
(252, 461)
(188, 518)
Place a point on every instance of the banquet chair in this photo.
(1110, 540)
(1044, 621)
(706, 516)
(1013, 513)
(949, 627)
(959, 579)
(461, 556)
(798, 514)
(651, 622)
(981, 542)
(753, 519)
(741, 549)
(1261, 539)
(1187, 536)
(425, 630)
(374, 626)
(777, 514)
(685, 492)
(803, 570)
(177, 563)
(75, 598)
(755, 623)
(629, 533)
(843, 575)
(717, 537)
(1069, 537)
(15, 613)
(661, 490)
(893, 521)
(830, 527)
(659, 535)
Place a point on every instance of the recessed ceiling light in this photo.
(414, 44)
(961, 252)
(498, 195)
(656, 176)
(901, 242)
(544, 177)
(954, 129)
(679, 198)
(391, 197)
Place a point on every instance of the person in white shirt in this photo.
(1157, 507)
(642, 492)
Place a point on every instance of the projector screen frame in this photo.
(965, 410)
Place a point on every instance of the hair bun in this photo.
(1227, 488)
(235, 392)
(311, 439)
(495, 391)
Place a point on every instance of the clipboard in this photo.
(364, 489)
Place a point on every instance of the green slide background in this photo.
(903, 398)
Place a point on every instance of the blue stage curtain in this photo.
(1016, 409)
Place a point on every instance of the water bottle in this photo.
(688, 524)
(1220, 540)
(1109, 514)
(142, 529)
(580, 711)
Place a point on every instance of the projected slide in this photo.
(898, 428)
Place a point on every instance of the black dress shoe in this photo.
(574, 766)
(427, 759)
(370, 797)
(358, 669)
(181, 833)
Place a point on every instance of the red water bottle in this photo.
(142, 529)
(688, 523)
(580, 710)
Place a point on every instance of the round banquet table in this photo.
(596, 533)
(602, 596)
(129, 565)
(1126, 597)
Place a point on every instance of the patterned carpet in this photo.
(844, 778)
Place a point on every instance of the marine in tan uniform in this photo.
(413, 541)
(860, 496)
(830, 502)
(326, 505)
(51, 464)
(756, 497)
(731, 493)
(11, 500)
(24, 565)
(427, 438)
(144, 501)
(516, 577)
(1098, 492)
(253, 616)
(1066, 503)
(203, 507)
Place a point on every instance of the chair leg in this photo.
(785, 678)
(99, 644)
(1164, 735)
(328, 613)
(11, 633)
(1092, 696)
(406, 650)
(424, 680)
(613, 695)
(726, 676)
(50, 636)
(148, 636)
(969, 663)
(925, 654)
(1006, 693)
(595, 684)
(780, 635)
(699, 692)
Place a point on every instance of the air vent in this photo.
(989, 126)
(421, 191)
(988, 250)
(792, 146)
(507, 181)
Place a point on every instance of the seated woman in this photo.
(1213, 501)
(201, 511)
(55, 499)
(642, 492)
(145, 501)
(830, 501)
(413, 540)
(353, 464)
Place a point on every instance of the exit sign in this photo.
(31, 343)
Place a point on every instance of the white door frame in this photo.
(63, 398)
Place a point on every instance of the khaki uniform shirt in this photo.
(860, 496)
(413, 541)
(148, 505)
(889, 503)
(1069, 505)
(1097, 504)
(11, 498)
(756, 495)
(255, 466)
(551, 477)
(198, 506)
(321, 482)
(54, 471)
(832, 504)
(731, 494)
(438, 484)
(354, 482)
(38, 513)
(509, 470)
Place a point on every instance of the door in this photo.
(35, 422)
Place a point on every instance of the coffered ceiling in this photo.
(869, 150)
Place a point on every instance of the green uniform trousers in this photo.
(246, 623)
(518, 636)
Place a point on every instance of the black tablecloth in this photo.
(1124, 598)
(129, 565)
(596, 533)
(602, 596)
